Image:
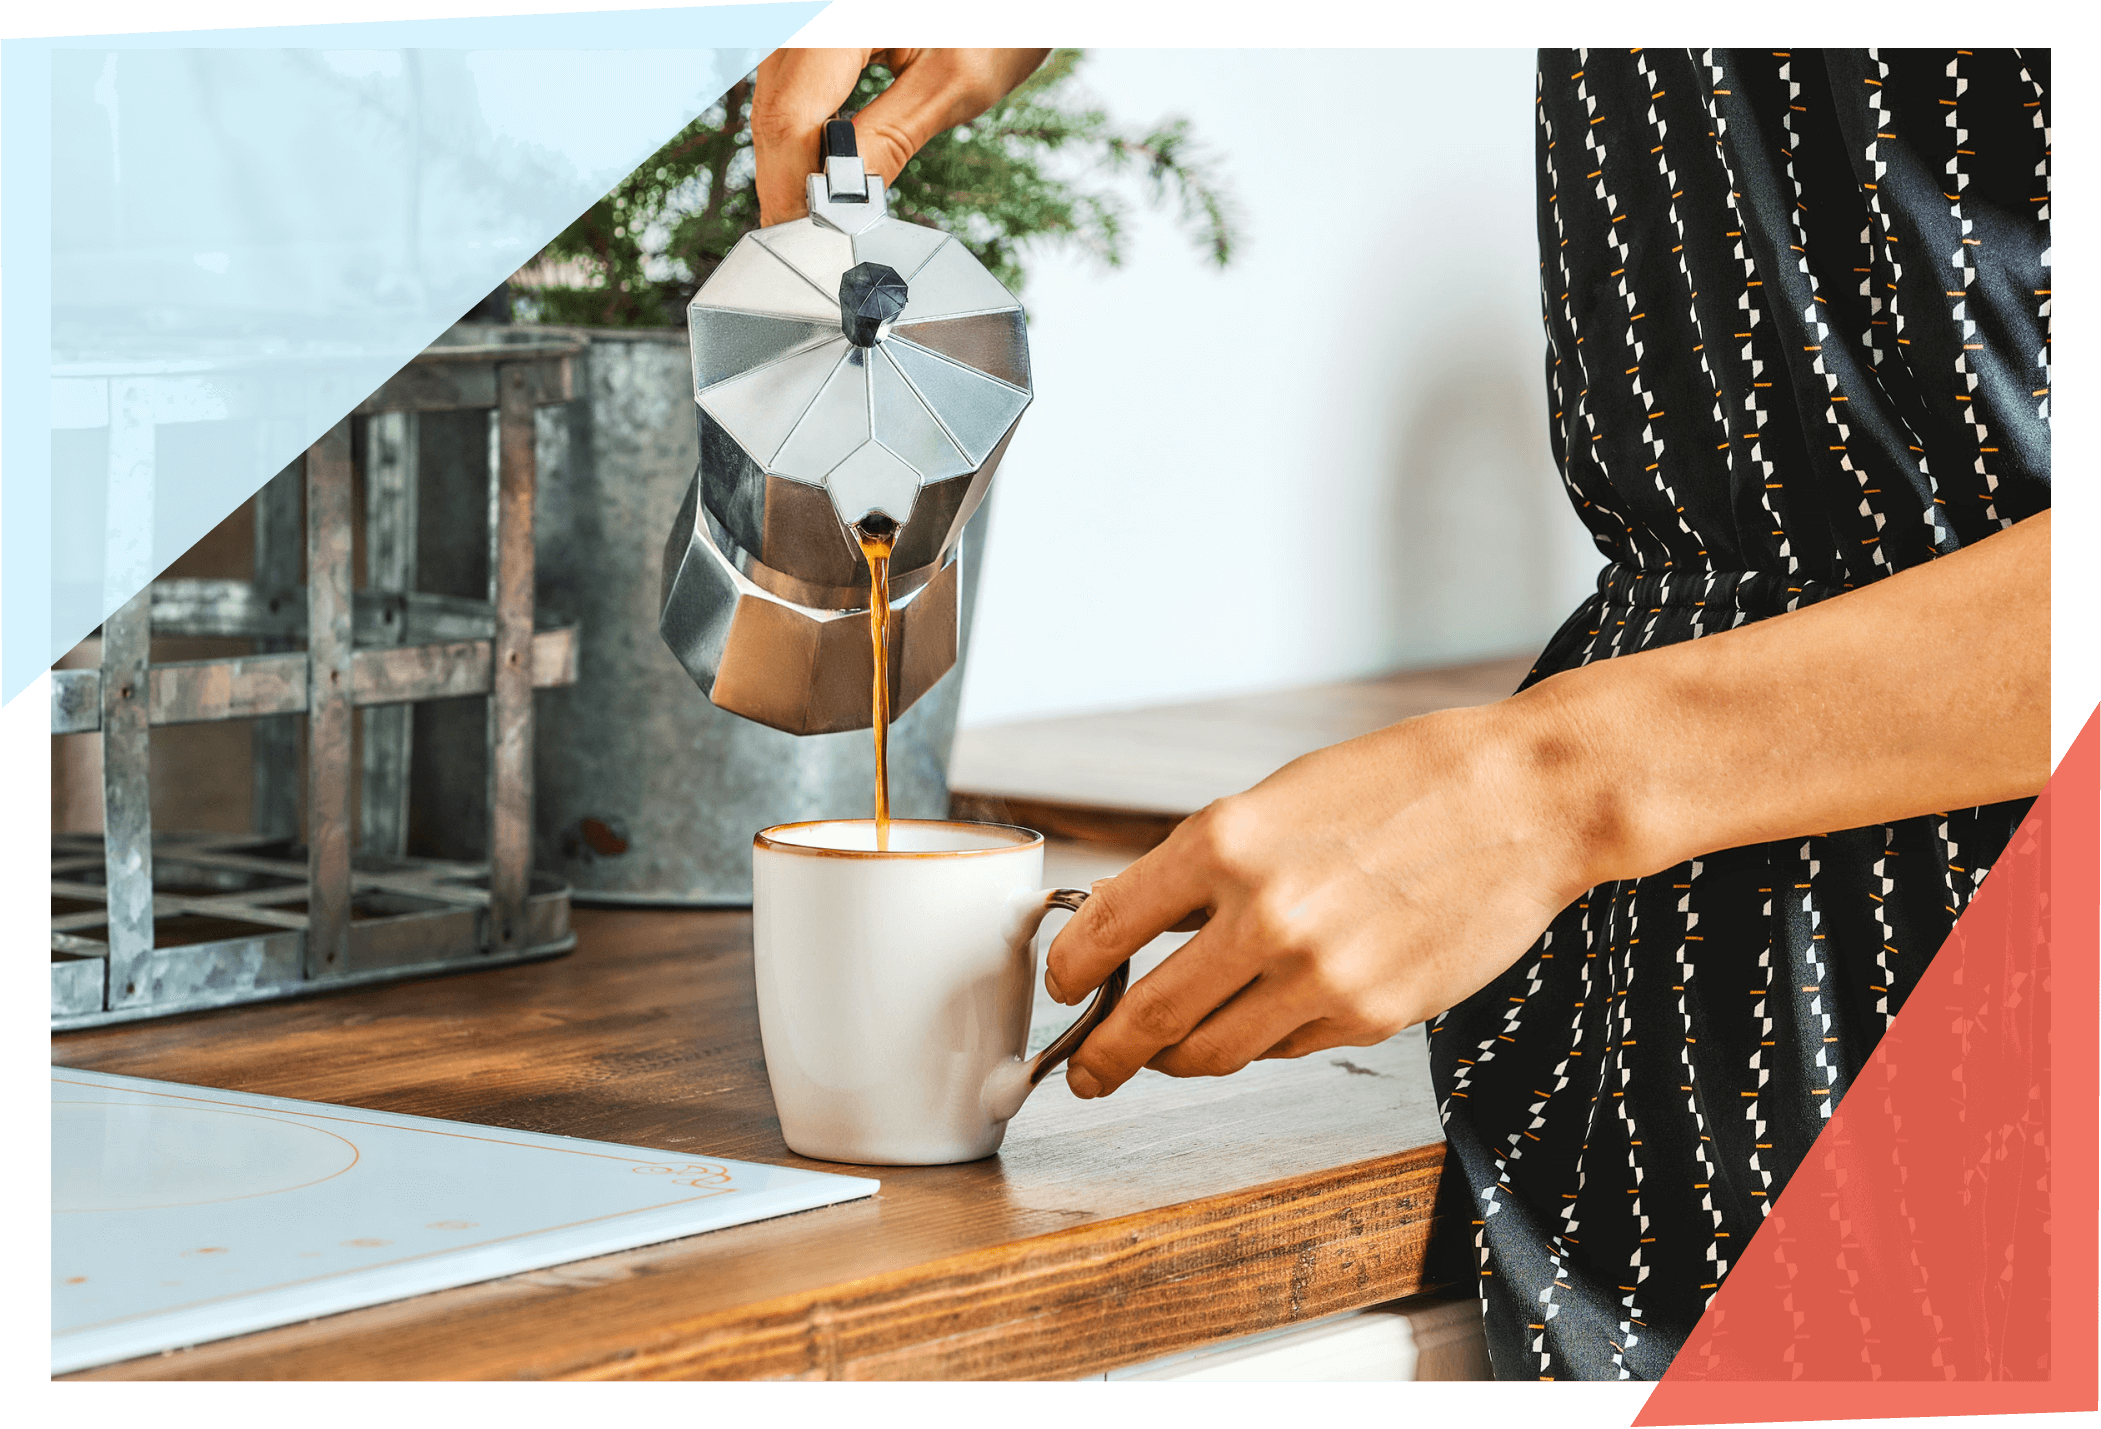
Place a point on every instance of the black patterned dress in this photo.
(1798, 319)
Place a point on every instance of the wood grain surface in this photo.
(1174, 1214)
(1135, 829)
(1105, 1233)
(1128, 776)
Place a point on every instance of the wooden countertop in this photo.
(1107, 1233)
(1128, 776)
(1175, 1213)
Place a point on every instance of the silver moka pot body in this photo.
(846, 365)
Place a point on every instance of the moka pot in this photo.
(846, 365)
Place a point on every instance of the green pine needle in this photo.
(997, 183)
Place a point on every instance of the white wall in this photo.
(1329, 459)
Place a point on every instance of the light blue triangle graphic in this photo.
(219, 242)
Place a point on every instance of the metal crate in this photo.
(146, 924)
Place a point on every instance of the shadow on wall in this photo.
(1486, 549)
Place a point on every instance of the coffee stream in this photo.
(878, 537)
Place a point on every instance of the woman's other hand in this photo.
(933, 90)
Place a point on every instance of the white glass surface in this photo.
(183, 1214)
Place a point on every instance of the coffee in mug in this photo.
(895, 985)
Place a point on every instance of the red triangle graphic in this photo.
(1913, 1266)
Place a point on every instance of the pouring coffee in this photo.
(856, 380)
(849, 368)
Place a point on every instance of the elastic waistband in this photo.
(1755, 593)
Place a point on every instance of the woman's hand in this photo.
(798, 90)
(1354, 892)
(1375, 884)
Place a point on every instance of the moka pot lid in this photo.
(857, 352)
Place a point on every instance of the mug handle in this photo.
(1105, 998)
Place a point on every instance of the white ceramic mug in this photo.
(895, 985)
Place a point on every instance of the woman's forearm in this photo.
(1378, 882)
(1928, 690)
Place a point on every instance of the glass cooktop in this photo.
(182, 1214)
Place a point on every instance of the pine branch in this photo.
(989, 182)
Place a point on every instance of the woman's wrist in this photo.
(1540, 776)
(1559, 745)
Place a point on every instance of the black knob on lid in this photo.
(871, 295)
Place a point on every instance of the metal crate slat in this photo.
(291, 915)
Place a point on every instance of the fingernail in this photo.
(1082, 1082)
(1050, 985)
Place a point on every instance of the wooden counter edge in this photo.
(1118, 1291)
(1138, 829)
